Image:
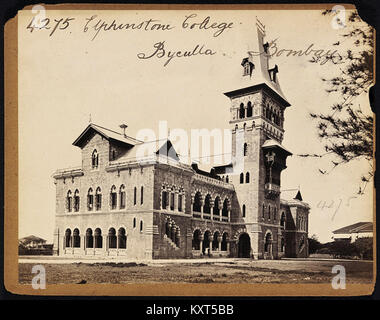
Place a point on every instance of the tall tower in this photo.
(256, 120)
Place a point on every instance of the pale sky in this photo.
(66, 77)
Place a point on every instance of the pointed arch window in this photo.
(243, 210)
(227, 179)
(98, 199)
(242, 177)
(241, 111)
(76, 200)
(142, 195)
(141, 226)
(247, 177)
(95, 159)
(90, 199)
(135, 196)
(122, 197)
(164, 200)
(249, 109)
(263, 211)
(113, 198)
(69, 201)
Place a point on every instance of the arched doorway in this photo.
(244, 246)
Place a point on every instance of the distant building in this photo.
(32, 242)
(353, 232)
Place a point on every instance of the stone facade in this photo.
(117, 204)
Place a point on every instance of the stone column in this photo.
(210, 238)
(105, 244)
(220, 238)
(211, 210)
(201, 238)
(83, 243)
(202, 203)
(229, 214)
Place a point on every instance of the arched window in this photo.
(247, 177)
(68, 241)
(113, 198)
(225, 208)
(263, 211)
(142, 195)
(164, 199)
(141, 226)
(95, 159)
(282, 221)
(180, 196)
(90, 200)
(216, 209)
(135, 196)
(76, 200)
(249, 109)
(243, 210)
(268, 241)
(242, 177)
(76, 238)
(112, 238)
(241, 111)
(122, 196)
(69, 201)
(215, 241)
(122, 239)
(134, 223)
(172, 200)
(245, 149)
(269, 212)
(98, 199)
(207, 207)
(89, 238)
(197, 202)
(196, 240)
(224, 241)
(227, 179)
(98, 238)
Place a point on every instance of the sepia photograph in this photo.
(192, 149)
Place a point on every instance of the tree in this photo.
(342, 249)
(364, 247)
(346, 132)
(314, 244)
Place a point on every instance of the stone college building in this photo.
(116, 204)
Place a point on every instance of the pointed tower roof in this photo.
(263, 74)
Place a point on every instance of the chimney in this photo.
(123, 126)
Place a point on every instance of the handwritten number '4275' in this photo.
(44, 24)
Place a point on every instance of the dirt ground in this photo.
(244, 271)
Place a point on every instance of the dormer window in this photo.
(273, 73)
(248, 67)
(95, 159)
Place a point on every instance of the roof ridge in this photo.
(124, 136)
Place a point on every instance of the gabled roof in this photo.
(360, 227)
(106, 133)
(167, 149)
